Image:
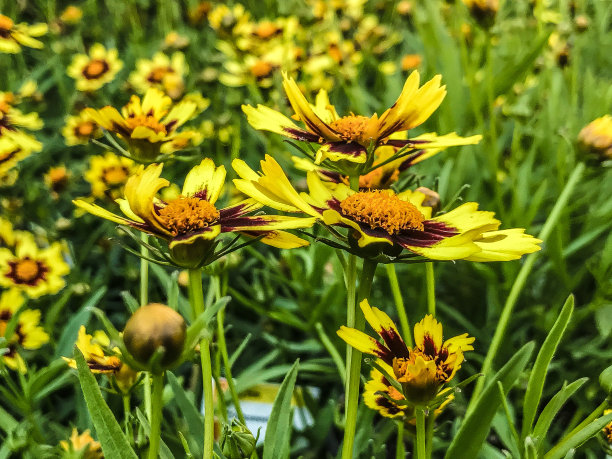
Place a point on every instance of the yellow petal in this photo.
(206, 180)
(431, 327)
(266, 119)
(504, 245)
(359, 340)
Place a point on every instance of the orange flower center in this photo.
(95, 68)
(261, 69)
(266, 29)
(146, 121)
(351, 128)
(86, 128)
(57, 175)
(114, 175)
(158, 74)
(186, 214)
(26, 270)
(382, 209)
(6, 23)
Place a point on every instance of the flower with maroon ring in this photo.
(32, 270)
(422, 370)
(389, 220)
(96, 69)
(350, 138)
(191, 222)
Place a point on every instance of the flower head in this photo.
(190, 222)
(27, 334)
(421, 370)
(94, 70)
(93, 349)
(388, 220)
(83, 444)
(80, 129)
(108, 175)
(149, 127)
(596, 137)
(13, 120)
(32, 270)
(354, 138)
(161, 72)
(14, 36)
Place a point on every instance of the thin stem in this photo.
(350, 278)
(196, 297)
(333, 352)
(354, 182)
(420, 452)
(429, 430)
(400, 451)
(431, 288)
(155, 433)
(521, 279)
(126, 418)
(226, 363)
(144, 299)
(354, 368)
(399, 303)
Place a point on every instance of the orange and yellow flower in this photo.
(83, 444)
(14, 36)
(32, 270)
(94, 70)
(108, 175)
(354, 138)
(387, 220)
(596, 137)
(92, 348)
(27, 334)
(190, 222)
(80, 129)
(149, 127)
(162, 72)
(422, 370)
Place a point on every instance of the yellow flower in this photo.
(92, 348)
(12, 120)
(483, 11)
(411, 61)
(93, 71)
(175, 40)
(607, 430)
(108, 175)
(71, 15)
(161, 72)
(421, 370)
(228, 21)
(57, 179)
(27, 335)
(191, 222)
(7, 234)
(390, 221)
(10, 154)
(14, 36)
(351, 137)
(149, 127)
(83, 444)
(80, 129)
(32, 270)
(380, 395)
(242, 70)
(596, 137)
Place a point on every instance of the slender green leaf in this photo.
(605, 379)
(576, 439)
(130, 301)
(164, 451)
(540, 367)
(188, 410)
(7, 422)
(477, 423)
(111, 437)
(278, 432)
(551, 409)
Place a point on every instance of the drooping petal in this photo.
(98, 211)
(352, 152)
(365, 343)
(205, 181)
(266, 119)
(278, 239)
(504, 245)
(384, 326)
(265, 223)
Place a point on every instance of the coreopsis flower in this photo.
(93, 349)
(229, 21)
(411, 62)
(242, 70)
(353, 139)
(191, 222)
(175, 40)
(11, 153)
(596, 137)
(383, 220)
(32, 270)
(94, 70)
(12, 120)
(380, 395)
(14, 36)
(83, 444)
(56, 179)
(71, 15)
(161, 72)
(108, 175)
(483, 11)
(7, 234)
(607, 430)
(149, 127)
(421, 370)
(27, 334)
(80, 129)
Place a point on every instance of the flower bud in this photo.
(237, 441)
(154, 327)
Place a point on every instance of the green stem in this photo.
(144, 299)
(420, 452)
(399, 303)
(333, 352)
(400, 451)
(226, 364)
(155, 433)
(350, 278)
(431, 288)
(196, 296)
(521, 279)
(354, 367)
(429, 430)
(354, 182)
(126, 418)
